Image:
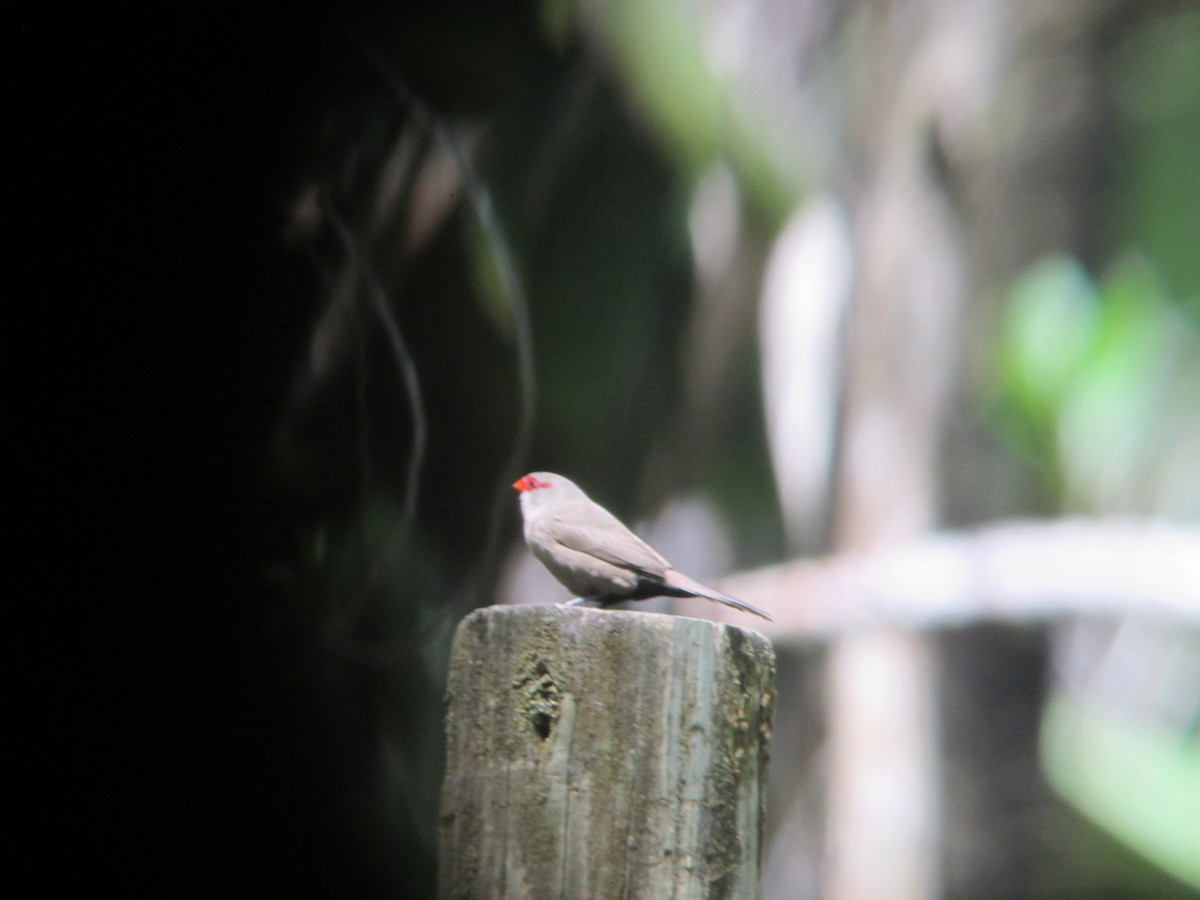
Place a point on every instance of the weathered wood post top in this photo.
(598, 753)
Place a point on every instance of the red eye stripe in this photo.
(529, 483)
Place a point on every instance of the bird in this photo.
(596, 557)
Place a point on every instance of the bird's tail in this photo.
(691, 586)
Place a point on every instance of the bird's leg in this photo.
(579, 601)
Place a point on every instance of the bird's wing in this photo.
(605, 538)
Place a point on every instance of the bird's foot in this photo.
(579, 601)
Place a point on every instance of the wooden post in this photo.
(598, 753)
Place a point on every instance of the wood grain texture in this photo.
(599, 753)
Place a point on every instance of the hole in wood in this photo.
(542, 698)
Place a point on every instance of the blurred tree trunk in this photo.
(964, 132)
(969, 128)
(884, 790)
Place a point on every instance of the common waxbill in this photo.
(596, 557)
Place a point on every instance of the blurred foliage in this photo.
(1139, 781)
(1098, 387)
(1155, 201)
(1099, 384)
(672, 72)
(1099, 381)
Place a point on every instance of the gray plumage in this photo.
(596, 557)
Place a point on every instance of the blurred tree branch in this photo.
(1018, 572)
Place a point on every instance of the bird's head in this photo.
(541, 490)
(532, 482)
